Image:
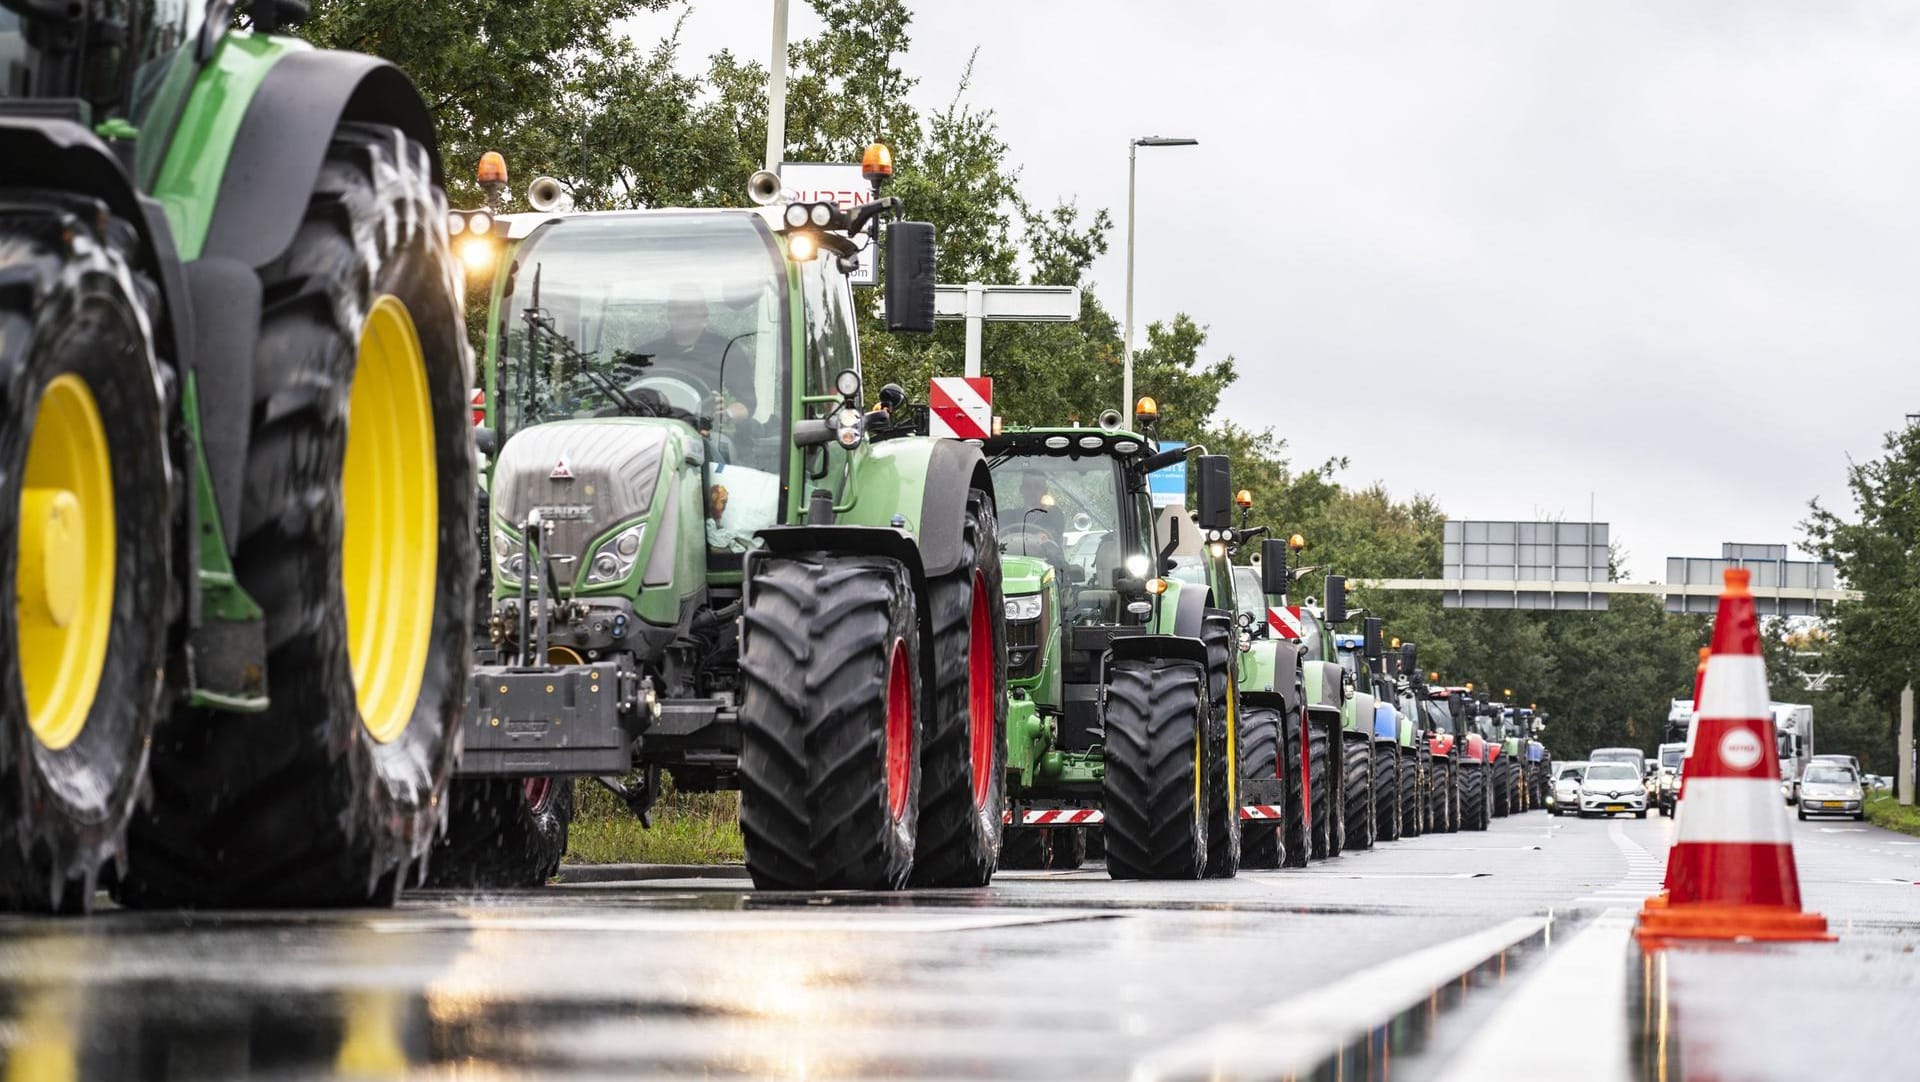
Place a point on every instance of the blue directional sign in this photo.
(1168, 487)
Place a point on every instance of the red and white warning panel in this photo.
(960, 407)
(1057, 817)
(1285, 621)
(1262, 812)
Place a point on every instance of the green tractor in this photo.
(709, 559)
(236, 473)
(1411, 758)
(1280, 690)
(1125, 697)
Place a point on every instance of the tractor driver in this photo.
(694, 352)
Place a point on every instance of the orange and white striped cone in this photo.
(1731, 873)
(1680, 789)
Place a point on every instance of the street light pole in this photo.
(1126, 381)
(777, 90)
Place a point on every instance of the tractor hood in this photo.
(586, 476)
(1023, 575)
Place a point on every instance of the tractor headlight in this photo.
(1024, 607)
(509, 557)
(849, 427)
(612, 559)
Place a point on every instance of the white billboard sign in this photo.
(833, 182)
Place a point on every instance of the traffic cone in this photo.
(1731, 873)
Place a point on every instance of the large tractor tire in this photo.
(1358, 788)
(1069, 845)
(1386, 792)
(1154, 794)
(1223, 778)
(84, 521)
(1321, 796)
(830, 725)
(1412, 819)
(1473, 795)
(356, 538)
(1261, 844)
(1439, 797)
(502, 833)
(1499, 779)
(1297, 827)
(1024, 849)
(963, 762)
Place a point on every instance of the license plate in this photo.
(1616, 808)
(1833, 803)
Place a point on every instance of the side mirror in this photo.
(1216, 492)
(1410, 660)
(911, 259)
(1335, 604)
(486, 440)
(1273, 566)
(1370, 630)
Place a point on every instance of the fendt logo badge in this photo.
(561, 470)
(1740, 749)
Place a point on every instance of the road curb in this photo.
(626, 873)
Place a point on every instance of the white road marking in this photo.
(732, 923)
(1303, 1031)
(1570, 1010)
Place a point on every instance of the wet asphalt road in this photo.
(1496, 955)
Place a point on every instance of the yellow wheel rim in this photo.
(63, 586)
(390, 544)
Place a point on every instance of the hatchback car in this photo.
(1563, 798)
(1613, 789)
(1831, 789)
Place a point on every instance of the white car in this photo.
(1831, 789)
(1564, 797)
(1613, 789)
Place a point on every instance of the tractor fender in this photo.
(283, 138)
(850, 541)
(1386, 722)
(1175, 647)
(1190, 604)
(62, 156)
(953, 469)
(923, 483)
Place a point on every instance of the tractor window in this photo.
(1065, 510)
(651, 315)
(831, 343)
(1247, 596)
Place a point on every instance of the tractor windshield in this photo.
(1065, 510)
(651, 315)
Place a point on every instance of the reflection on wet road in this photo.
(1352, 969)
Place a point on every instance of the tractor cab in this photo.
(1076, 550)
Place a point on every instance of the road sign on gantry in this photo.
(960, 407)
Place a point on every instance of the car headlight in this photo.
(612, 559)
(509, 556)
(1024, 607)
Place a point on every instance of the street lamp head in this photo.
(1164, 141)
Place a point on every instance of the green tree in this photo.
(1873, 638)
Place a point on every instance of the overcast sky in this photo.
(1503, 253)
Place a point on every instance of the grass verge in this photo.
(688, 828)
(1883, 810)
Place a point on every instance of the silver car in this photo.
(1831, 789)
(1564, 797)
(1613, 789)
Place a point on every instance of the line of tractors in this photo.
(302, 617)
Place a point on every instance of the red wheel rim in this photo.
(980, 703)
(899, 731)
(539, 792)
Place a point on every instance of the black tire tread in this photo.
(1152, 828)
(819, 630)
(299, 806)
